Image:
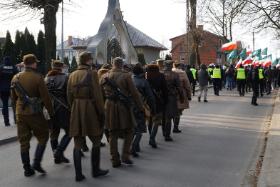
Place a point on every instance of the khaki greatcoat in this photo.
(85, 105)
(185, 87)
(118, 116)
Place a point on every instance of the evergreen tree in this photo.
(74, 65)
(30, 42)
(40, 52)
(9, 48)
(168, 57)
(18, 46)
(141, 58)
(66, 62)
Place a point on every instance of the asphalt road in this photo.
(217, 148)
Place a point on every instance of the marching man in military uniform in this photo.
(29, 93)
(173, 89)
(119, 90)
(56, 82)
(87, 114)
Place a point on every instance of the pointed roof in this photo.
(140, 39)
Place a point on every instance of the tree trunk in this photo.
(50, 33)
(195, 35)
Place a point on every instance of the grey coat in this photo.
(203, 77)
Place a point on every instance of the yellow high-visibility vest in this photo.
(241, 74)
(217, 73)
(193, 73)
(210, 72)
(261, 74)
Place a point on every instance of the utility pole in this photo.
(62, 32)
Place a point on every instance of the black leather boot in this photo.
(38, 158)
(84, 146)
(176, 121)
(95, 161)
(58, 155)
(54, 144)
(28, 171)
(168, 131)
(152, 141)
(136, 144)
(78, 165)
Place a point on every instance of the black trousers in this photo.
(5, 95)
(216, 85)
(255, 87)
(262, 86)
(241, 86)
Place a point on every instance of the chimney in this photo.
(70, 40)
(200, 27)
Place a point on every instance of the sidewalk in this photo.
(7, 134)
(270, 173)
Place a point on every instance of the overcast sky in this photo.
(160, 19)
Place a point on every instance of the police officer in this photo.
(7, 71)
(87, 114)
(118, 86)
(255, 84)
(56, 82)
(194, 80)
(217, 78)
(173, 88)
(261, 80)
(241, 80)
(29, 115)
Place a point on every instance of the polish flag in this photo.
(229, 46)
(249, 52)
(239, 63)
(247, 61)
(267, 63)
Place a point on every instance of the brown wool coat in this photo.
(185, 88)
(118, 117)
(85, 108)
(34, 85)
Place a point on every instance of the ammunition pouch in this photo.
(35, 105)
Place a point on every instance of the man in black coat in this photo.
(7, 71)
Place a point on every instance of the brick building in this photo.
(209, 48)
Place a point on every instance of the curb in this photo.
(8, 140)
(270, 170)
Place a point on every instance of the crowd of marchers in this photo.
(118, 100)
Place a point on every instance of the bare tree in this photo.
(223, 14)
(263, 14)
(48, 8)
(195, 33)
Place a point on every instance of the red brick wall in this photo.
(208, 48)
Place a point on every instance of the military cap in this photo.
(84, 57)
(30, 59)
(168, 63)
(160, 62)
(106, 66)
(57, 64)
(118, 61)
